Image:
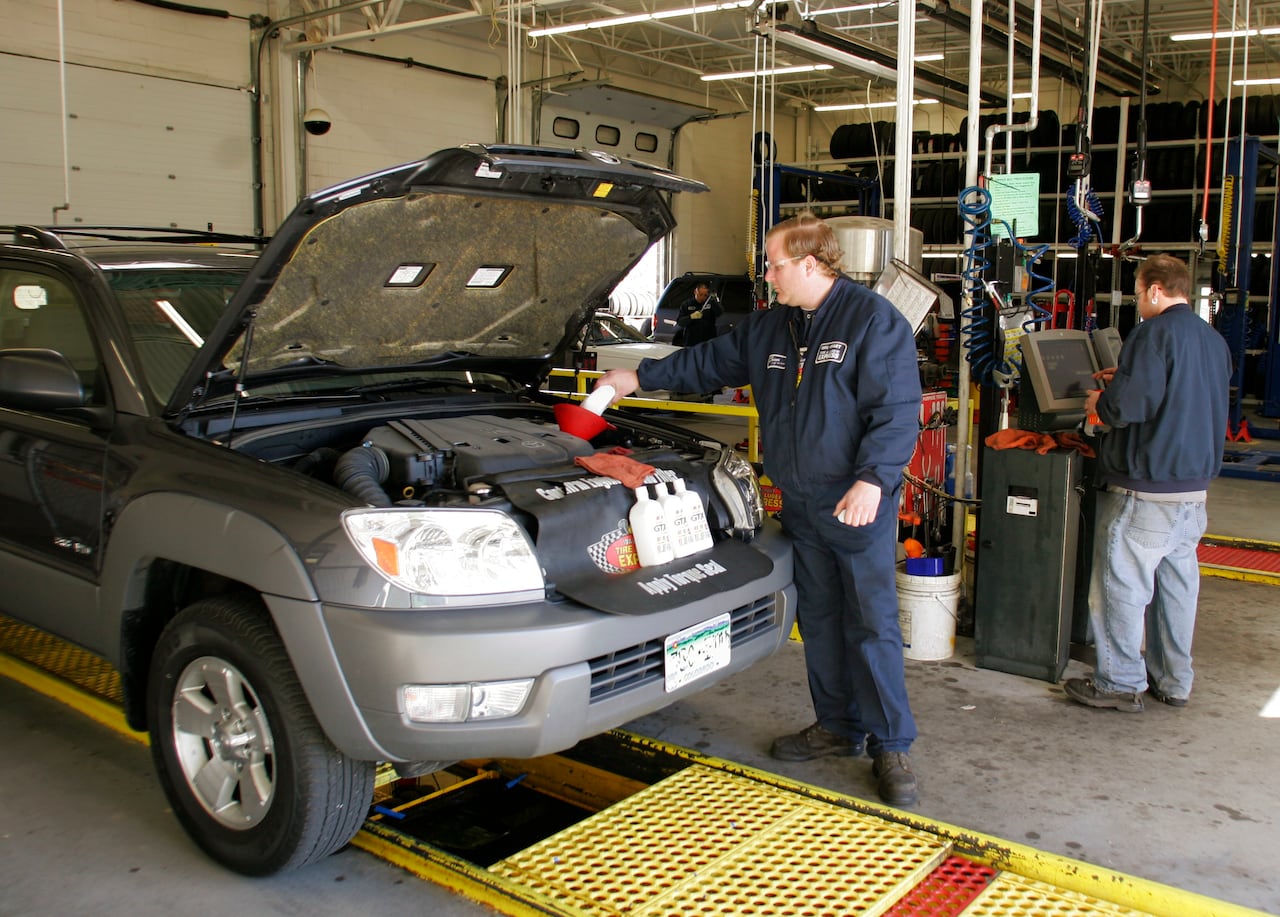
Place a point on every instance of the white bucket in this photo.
(927, 614)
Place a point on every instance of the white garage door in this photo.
(142, 151)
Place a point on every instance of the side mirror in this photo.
(36, 379)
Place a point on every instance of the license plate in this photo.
(696, 651)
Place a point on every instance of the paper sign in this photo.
(1015, 199)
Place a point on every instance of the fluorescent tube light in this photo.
(926, 58)
(858, 106)
(631, 18)
(775, 71)
(857, 8)
(1231, 33)
(1268, 81)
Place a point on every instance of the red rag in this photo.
(1013, 439)
(627, 470)
(1075, 441)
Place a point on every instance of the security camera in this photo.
(317, 121)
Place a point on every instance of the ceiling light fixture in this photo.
(926, 58)
(873, 25)
(858, 106)
(1268, 81)
(631, 18)
(772, 71)
(1232, 33)
(857, 8)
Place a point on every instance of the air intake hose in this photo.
(361, 472)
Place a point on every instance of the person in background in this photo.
(1166, 407)
(697, 318)
(833, 373)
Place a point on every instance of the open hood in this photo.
(490, 254)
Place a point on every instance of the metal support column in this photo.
(1237, 226)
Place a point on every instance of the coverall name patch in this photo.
(776, 361)
(831, 352)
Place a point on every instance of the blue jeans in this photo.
(1146, 580)
(847, 607)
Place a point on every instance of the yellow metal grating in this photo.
(1011, 895)
(705, 842)
(79, 667)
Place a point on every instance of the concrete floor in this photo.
(1188, 797)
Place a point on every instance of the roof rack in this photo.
(53, 236)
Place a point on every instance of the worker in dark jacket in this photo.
(835, 380)
(1166, 406)
(697, 319)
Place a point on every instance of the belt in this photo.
(1187, 496)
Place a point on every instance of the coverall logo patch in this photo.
(831, 352)
(776, 361)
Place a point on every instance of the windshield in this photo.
(169, 312)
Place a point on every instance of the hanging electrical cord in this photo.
(1208, 141)
(1139, 186)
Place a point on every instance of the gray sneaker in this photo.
(1084, 691)
(813, 742)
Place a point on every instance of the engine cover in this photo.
(453, 451)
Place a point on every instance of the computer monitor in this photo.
(1060, 364)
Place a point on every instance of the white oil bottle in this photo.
(677, 521)
(699, 530)
(649, 528)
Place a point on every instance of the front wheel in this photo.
(245, 765)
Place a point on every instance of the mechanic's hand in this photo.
(624, 382)
(860, 505)
(695, 315)
(1105, 375)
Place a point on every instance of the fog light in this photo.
(488, 700)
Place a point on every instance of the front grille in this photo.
(634, 666)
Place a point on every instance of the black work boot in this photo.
(813, 742)
(897, 784)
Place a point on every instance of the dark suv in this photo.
(310, 502)
(735, 292)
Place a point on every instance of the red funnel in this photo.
(577, 420)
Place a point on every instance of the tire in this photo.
(248, 771)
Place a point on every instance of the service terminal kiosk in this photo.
(1035, 527)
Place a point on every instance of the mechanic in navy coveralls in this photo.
(835, 380)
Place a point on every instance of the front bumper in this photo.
(592, 671)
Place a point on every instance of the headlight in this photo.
(477, 553)
(735, 481)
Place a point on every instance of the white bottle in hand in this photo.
(649, 528)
